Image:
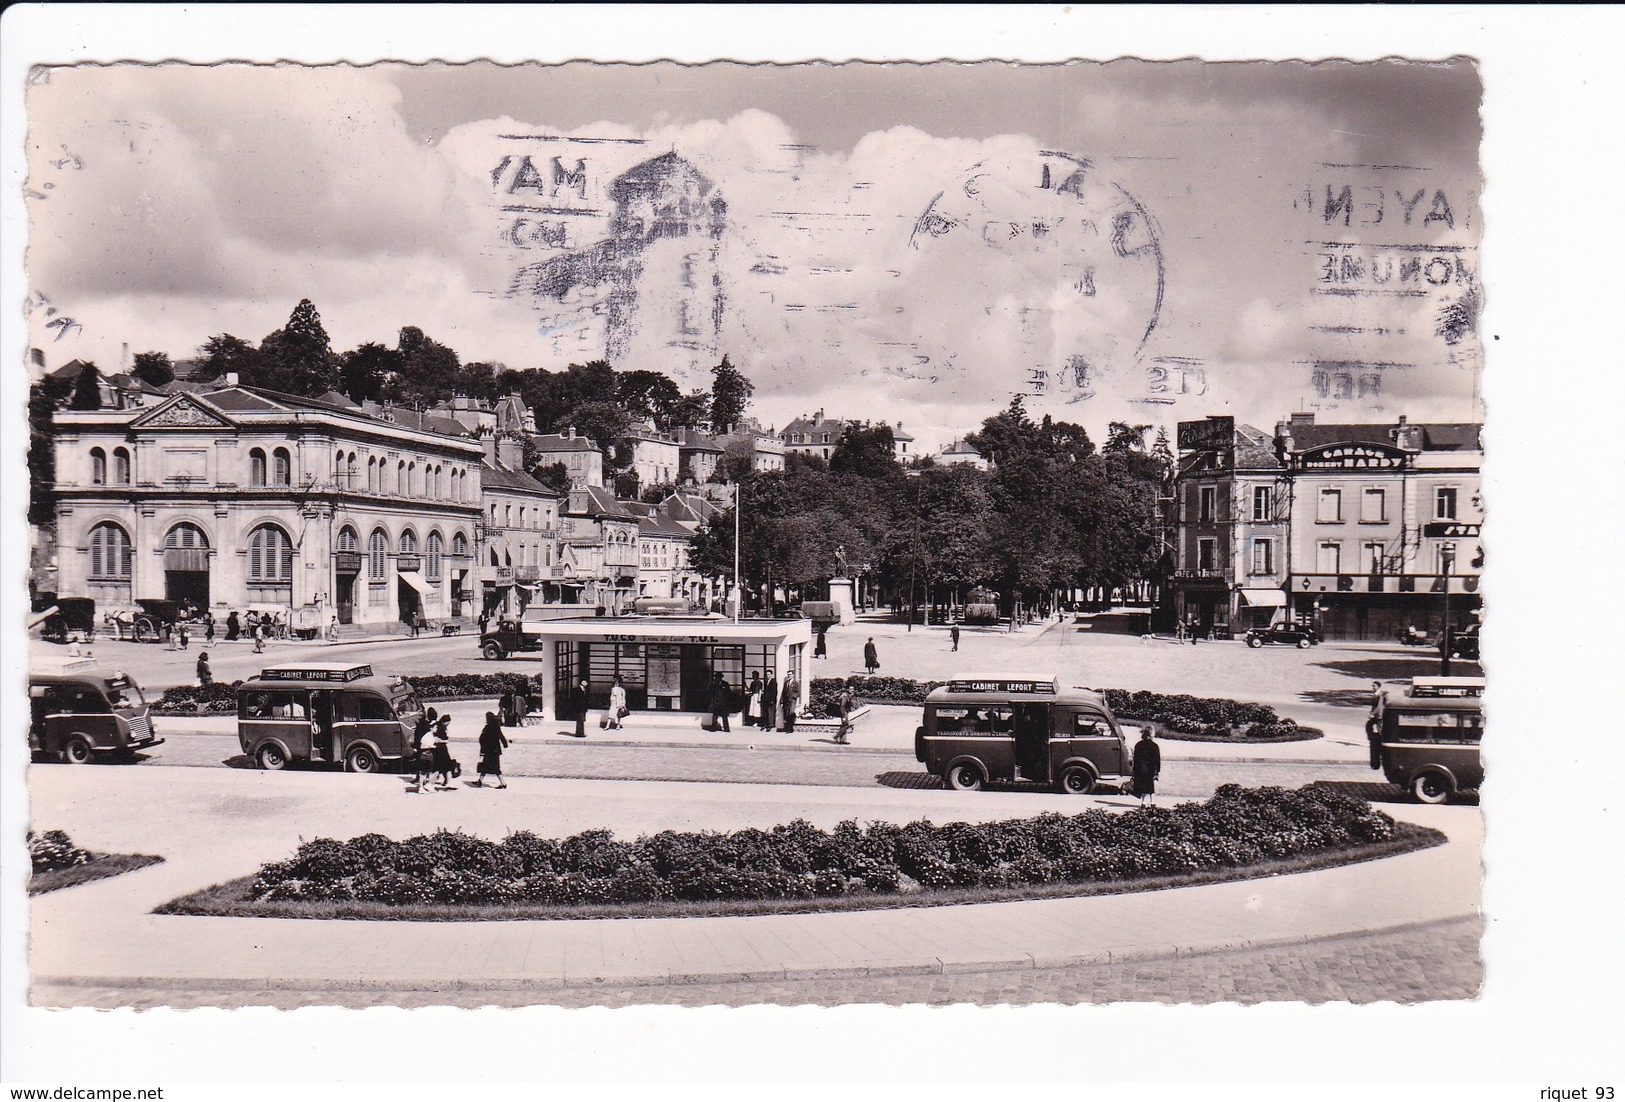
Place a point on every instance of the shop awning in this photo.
(415, 580)
(1264, 598)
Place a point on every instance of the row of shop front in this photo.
(1340, 606)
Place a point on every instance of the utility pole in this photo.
(1447, 561)
(739, 590)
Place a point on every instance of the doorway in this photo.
(344, 598)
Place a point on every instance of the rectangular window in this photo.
(1209, 498)
(1263, 556)
(1263, 503)
(1329, 557)
(1331, 506)
(1375, 555)
(1374, 506)
(1444, 503)
(1205, 554)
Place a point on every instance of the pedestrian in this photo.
(871, 657)
(205, 676)
(578, 702)
(820, 648)
(234, 627)
(421, 754)
(720, 704)
(618, 710)
(770, 704)
(492, 740)
(843, 712)
(953, 633)
(208, 629)
(442, 751)
(789, 701)
(753, 701)
(505, 707)
(186, 635)
(259, 638)
(1147, 768)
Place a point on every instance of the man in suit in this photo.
(578, 703)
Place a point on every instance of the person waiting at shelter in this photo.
(721, 705)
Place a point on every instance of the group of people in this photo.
(431, 738)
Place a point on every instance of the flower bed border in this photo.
(229, 900)
(101, 866)
(1305, 734)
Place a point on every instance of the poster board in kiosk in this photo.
(327, 712)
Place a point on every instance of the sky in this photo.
(913, 243)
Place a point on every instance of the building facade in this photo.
(235, 497)
(579, 455)
(1360, 529)
(518, 536)
(816, 435)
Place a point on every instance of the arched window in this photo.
(352, 468)
(459, 545)
(338, 468)
(270, 557)
(282, 467)
(400, 478)
(372, 475)
(98, 467)
(409, 542)
(507, 516)
(256, 467)
(439, 481)
(185, 536)
(433, 550)
(377, 548)
(493, 512)
(409, 488)
(347, 540)
(121, 466)
(110, 553)
(521, 516)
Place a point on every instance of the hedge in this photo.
(1208, 717)
(1235, 828)
(53, 850)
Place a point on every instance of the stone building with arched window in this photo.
(234, 496)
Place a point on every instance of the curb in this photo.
(927, 966)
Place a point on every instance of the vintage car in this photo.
(81, 711)
(1463, 643)
(1296, 635)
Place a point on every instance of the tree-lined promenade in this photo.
(1053, 514)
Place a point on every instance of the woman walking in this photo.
(442, 752)
(871, 657)
(492, 740)
(1147, 768)
(421, 754)
(617, 703)
(205, 676)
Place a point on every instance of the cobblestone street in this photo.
(1436, 962)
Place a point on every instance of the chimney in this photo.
(1303, 419)
(510, 453)
(572, 432)
(231, 378)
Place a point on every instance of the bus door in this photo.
(1031, 729)
(377, 723)
(323, 728)
(1088, 735)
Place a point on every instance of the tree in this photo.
(865, 452)
(154, 368)
(1163, 453)
(364, 370)
(656, 492)
(298, 358)
(480, 380)
(730, 396)
(41, 455)
(692, 410)
(87, 390)
(650, 396)
(555, 476)
(607, 425)
(225, 354)
(428, 371)
(626, 486)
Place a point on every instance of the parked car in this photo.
(1297, 635)
(1464, 643)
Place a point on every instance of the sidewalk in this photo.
(216, 825)
(883, 729)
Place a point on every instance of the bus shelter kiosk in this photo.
(667, 663)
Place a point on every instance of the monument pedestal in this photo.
(840, 595)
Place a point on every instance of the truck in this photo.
(509, 637)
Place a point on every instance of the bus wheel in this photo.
(492, 650)
(964, 777)
(271, 757)
(1077, 780)
(1430, 788)
(360, 759)
(77, 750)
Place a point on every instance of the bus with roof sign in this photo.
(332, 713)
(1003, 728)
(80, 710)
(1425, 736)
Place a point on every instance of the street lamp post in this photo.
(1447, 562)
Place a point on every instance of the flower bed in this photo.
(58, 863)
(1237, 829)
(221, 698)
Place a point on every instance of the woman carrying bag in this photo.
(492, 740)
